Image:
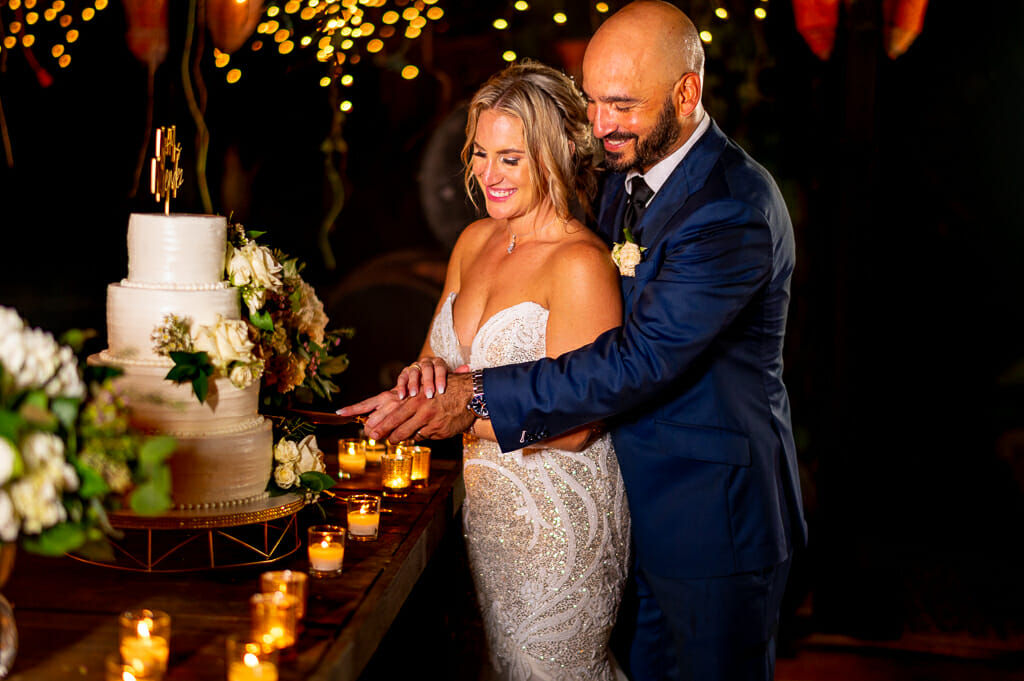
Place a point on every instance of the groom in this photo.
(691, 384)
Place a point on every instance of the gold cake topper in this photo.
(165, 175)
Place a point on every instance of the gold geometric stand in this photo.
(185, 541)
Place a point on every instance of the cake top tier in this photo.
(176, 249)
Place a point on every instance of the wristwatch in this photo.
(477, 404)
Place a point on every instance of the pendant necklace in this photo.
(512, 243)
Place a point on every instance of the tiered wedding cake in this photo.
(176, 267)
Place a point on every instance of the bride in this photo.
(547, 528)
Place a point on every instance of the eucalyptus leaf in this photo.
(316, 482)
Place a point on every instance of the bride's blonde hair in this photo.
(559, 143)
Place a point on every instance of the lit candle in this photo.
(420, 465)
(326, 550)
(396, 470)
(273, 619)
(144, 641)
(373, 450)
(249, 660)
(363, 516)
(351, 456)
(287, 582)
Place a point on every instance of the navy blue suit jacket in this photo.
(691, 384)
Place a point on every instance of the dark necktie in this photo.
(636, 203)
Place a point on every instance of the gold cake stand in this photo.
(253, 533)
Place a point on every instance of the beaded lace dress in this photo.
(547, 530)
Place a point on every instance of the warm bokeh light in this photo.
(88, 13)
(722, 13)
(705, 36)
(273, 11)
(435, 13)
(602, 7)
(28, 40)
(509, 56)
(286, 47)
(347, 79)
(221, 60)
(375, 46)
(522, 5)
(409, 72)
(325, 81)
(760, 13)
(64, 60)
(346, 106)
(233, 75)
(560, 18)
(500, 24)
(390, 17)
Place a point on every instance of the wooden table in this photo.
(67, 610)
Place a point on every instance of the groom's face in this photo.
(635, 118)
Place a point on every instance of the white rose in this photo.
(68, 381)
(627, 256)
(239, 271)
(265, 268)
(312, 459)
(285, 476)
(243, 375)
(225, 342)
(10, 322)
(42, 451)
(8, 520)
(286, 451)
(38, 359)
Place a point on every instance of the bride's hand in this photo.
(378, 406)
(428, 374)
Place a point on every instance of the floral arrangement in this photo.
(67, 453)
(282, 341)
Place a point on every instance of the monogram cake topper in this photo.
(165, 175)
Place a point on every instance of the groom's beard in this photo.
(650, 149)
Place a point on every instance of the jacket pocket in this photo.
(703, 443)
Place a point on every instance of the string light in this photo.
(48, 29)
(705, 36)
(760, 13)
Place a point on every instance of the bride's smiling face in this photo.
(501, 165)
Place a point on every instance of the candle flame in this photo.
(325, 544)
(127, 676)
(251, 660)
(143, 628)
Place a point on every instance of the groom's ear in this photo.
(686, 94)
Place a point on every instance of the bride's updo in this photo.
(559, 144)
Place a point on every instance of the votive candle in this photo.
(373, 450)
(287, 582)
(249, 660)
(363, 517)
(420, 465)
(118, 670)
(145, 637)
(273, 619)
(326, 550)
(352, 456)
(396, 470)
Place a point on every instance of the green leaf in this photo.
(316, 482)
(66, 410)
(157, 449)
(56, 541)
(11, 424)
(150, 498)
(92, 482)
(262, 320)
(253, 234)
(335, 365)
(76, 338)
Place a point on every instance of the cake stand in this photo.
(251, 533)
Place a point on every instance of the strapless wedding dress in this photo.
(547, 530)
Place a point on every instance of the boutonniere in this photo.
(627, 255)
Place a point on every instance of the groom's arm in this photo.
(709, 275)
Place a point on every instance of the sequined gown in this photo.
(547, 530)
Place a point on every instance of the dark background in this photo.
(903, 356)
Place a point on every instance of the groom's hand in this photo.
(436, 418)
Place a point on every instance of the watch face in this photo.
(478, 407)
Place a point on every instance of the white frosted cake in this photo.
(176, 266)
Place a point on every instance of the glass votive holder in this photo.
(287, 582)
(363, 517)
(396, 470)
(145, 640)
(351, 456)
(373, 450)
(326, 550)
(249, 660)
(420, 465)
(273, 619)
(119, 670)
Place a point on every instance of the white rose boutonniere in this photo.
(627, 255)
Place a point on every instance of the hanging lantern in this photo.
(816, 20)
(904, 20)
(147, 30)
(231, 22)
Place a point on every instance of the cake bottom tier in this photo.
(215, 471)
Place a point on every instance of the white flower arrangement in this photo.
(299, 465)
(66, 450)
